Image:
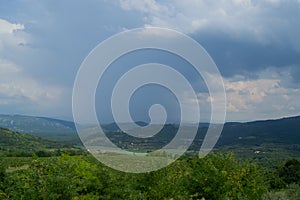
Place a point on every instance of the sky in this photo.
(254, 43)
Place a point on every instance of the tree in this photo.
(290, 171)
(221, 176)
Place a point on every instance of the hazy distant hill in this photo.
(17, 143)
(48, 128)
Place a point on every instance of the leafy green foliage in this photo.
(217, 176)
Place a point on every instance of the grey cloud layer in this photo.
(241, 35)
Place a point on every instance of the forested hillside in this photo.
(48, 128)
(18, 144)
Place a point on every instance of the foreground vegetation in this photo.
(217, 176)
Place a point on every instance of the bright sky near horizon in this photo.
(254, 43)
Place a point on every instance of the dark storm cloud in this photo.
(243, 57)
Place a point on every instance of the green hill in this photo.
(280, 131)
(18, 144)
(48, 128)
(263, 140)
